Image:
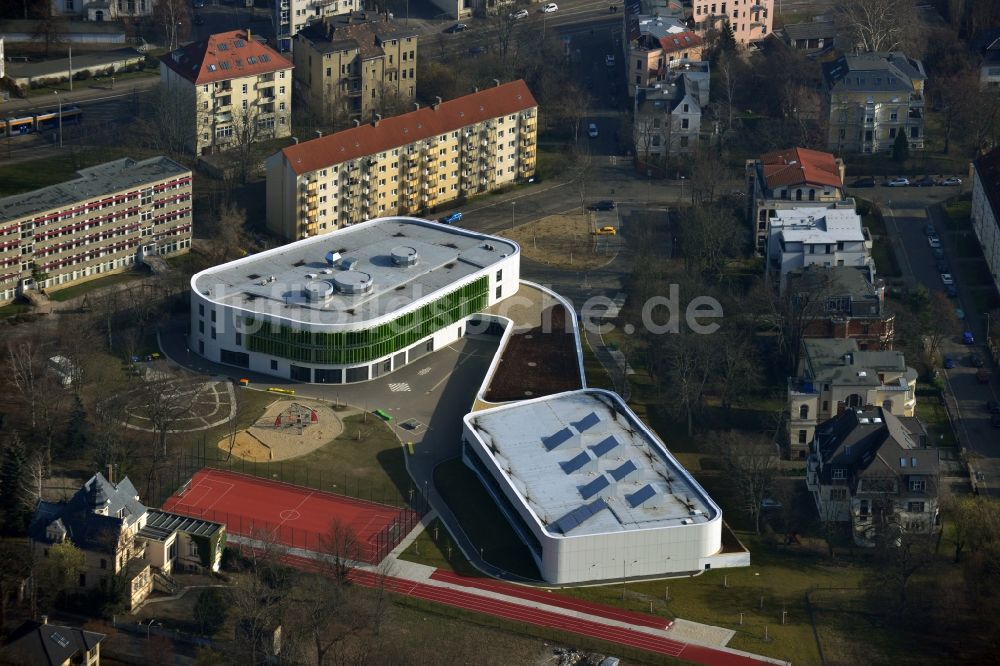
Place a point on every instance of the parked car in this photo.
(519, 14)
(864, 182)
(897, 182)
(606, 204)
(967, 338)
(951, 291)
(929, 230)
(592, 130)
(549, 8)
(198, 4)
(926, 181)
(451, 219)
(770, 503)
(458, 27)
(939, 254)
(950, 181)
(934, 241)
(960, 313)
(993, 407)
(949, 363)
(609, 60)
(975, 360)
(947, 279)
(607, 231)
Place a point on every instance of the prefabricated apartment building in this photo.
(351, 305)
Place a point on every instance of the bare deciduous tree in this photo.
(751, 463)
(882, 25)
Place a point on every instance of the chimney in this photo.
(416, 106)
(496, 83)
(436, 104)
(319, 134)
(476, 89)
(45, 619)
(357, 123)
(378, 117)
(249, 36)
(109, 473)
(296, 140)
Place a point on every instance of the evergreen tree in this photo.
(77, 431)
(727, 41)
(13, 471)
(900, 148)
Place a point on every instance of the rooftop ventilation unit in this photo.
(353, 282)
(403, 255)
(348, 263)
(332, 257)
(318, 291)
(310, 276)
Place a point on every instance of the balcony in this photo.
(916, 101)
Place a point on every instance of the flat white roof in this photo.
(585, 464)
(818, 225)
(356, 274)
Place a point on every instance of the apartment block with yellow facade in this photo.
(405, 164)
(103, 221)
(353, 66)
(227, 90)
(749, 20)
(871, 99)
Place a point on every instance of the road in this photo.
(909, 210)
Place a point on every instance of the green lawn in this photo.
(958, 212)
(935, 417)
(91, 285)
(481, 520)
(14, 309)
(435, 548)
(365, 461)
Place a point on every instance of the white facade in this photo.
(984, 217)
(339, 309)
(816, 237)
(103, 10)
(592, 491)
(290, 16)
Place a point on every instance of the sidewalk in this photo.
(83, 92)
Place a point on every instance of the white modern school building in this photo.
(351, 305)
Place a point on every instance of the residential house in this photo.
(989, 66)
(44, 644)
(121, 538)
(353, 67)
(108, 219)
(749, 20)
(103, 10)
(872, 97)
(985, 212)
(291, 16)
(404, 164)
(667, 120)
(812, 37)
(814, 236)
(872, 469)
(783, 179)
(843, 302)
(231, 88)
(835, 375)
(661, 44)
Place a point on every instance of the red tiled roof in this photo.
(680, 41)
(988, 169)
(413, 126)
(223, 56)
(796, 166)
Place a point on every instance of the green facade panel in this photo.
(352, 347)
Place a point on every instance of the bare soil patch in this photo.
(539, 361)
(561, 240)
(287, 429)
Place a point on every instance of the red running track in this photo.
(519, 613)
(546, 597)
(296, 517)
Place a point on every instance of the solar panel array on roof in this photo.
(555, 440)
(574, 464)
(594, 487)
(577, 516)
(605, 445)
(587, 422)
(621, 472)
(641, 495)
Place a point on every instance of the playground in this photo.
(287, 429)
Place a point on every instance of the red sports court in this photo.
(296, 517)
